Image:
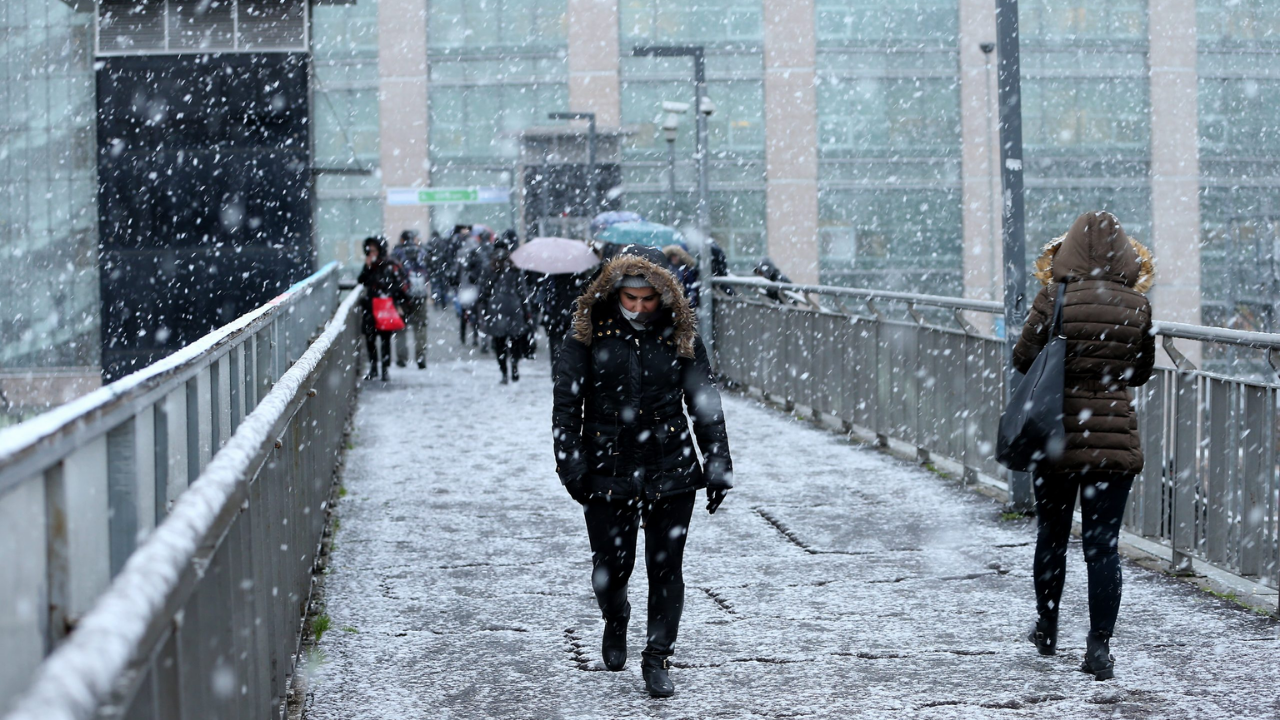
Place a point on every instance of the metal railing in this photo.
(914, 369)
(102, 499)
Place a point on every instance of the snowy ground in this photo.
(835, 582)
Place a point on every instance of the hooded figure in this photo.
(624, 448)
(506, 311)
(381, 277)
(1106, 320)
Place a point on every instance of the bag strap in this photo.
(1056, 328)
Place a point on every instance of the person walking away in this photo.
(506, 302)
(381, 277)
(413, 257)
(624, 449)
(556, 295)
(686, 271)
(438, 254)
(465, 291)
(1110, 348)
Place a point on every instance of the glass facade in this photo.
(1239, 91)
(732, 33)
(888, 137)
(348, 190)
(497, 67)
(889, 207)
(48, 215)
(1086, 115)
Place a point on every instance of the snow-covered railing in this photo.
(914, 369)
(82, 485)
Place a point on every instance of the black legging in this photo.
(371, 344)
(504, 346)
(612, 527)
(1102, 503)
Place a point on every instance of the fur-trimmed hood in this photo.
(604, 290)
(1097, 248)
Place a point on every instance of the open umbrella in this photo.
(613, 217)
(554, 256)
(641, 233)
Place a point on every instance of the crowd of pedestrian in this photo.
(638, 425)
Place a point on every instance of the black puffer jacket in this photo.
(384, 278)
(620, 396)
(506, 299)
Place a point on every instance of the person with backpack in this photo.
(439, 252)
(465, 293)
(1107, 325)
(414, 259)
(506, 308)
(381, 277)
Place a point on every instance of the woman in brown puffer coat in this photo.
(1106, 320)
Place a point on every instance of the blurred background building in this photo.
(853, 140)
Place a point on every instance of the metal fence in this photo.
(914, 368)
(164, 584)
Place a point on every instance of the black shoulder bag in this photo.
(1031, 429)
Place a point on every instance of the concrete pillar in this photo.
(1175, 161)
(593, 60)
(791, 137)
(980, 155)
(402, 109)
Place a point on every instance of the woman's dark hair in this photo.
(379, 242)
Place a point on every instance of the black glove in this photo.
(577, 490)
(714, 498)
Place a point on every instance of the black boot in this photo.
(613, 647)
(666, 602)
(1097, 658)
(373, 372)
(515, 372)
(1045, 636)
(386, 373)
(656, 679)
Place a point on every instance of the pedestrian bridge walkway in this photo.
(836, 581)
(163, 534)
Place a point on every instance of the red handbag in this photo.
(385, 316)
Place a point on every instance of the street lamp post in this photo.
(1009, 76)
(592, 197)
(670, 125)
(701, 109)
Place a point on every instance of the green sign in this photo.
(448, 195)
(443, 196)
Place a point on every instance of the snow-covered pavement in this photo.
(836, 581)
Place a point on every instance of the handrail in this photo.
(1184, 331)
(1225, 336)
(32, 442)
(1208, 485)
(83, 674)
(943, 301)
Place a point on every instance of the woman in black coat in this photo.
(625, 450)
(505, 304)
(381, 277)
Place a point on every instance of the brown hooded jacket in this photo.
(1106, 320)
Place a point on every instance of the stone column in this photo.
(593, 60)
(402, 109)
(791, 137)
(980, 156)
(1175, 162)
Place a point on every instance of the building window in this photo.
(701, 21)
